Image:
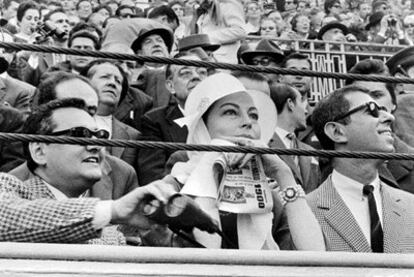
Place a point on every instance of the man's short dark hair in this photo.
(295, 56)
(46, 91)
(23, 7)
(102, 7)
(55, 3)
(280, 93)
(40, 122)
(164, 10)
(49, 14)
(329, 108)
(89, 71)
(85, 34)
(373, 67)
(83, 26)
(120, 8)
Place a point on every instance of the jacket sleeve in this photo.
(43, 220)
(233, 19)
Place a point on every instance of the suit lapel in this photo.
(276, 142)
(118, 132)
(392, 221)
(340, 218)
(124, 107)
(176, 132)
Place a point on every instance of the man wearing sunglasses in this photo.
(357, 210)
(118, 177)
(399, 171)
(63, 171)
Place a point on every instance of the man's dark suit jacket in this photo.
(118, 178)
(123, 131)
(16, 93)
(309, 176)
(402, 170)
(134, 105)
(152, 82)
(159, 125)
(11, 153)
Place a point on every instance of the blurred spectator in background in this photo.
(386, 29)
(253, 14)
(333, 9)
(409, 28)
(278, 19)
(28, 16)
(84, 9)
(223, 22)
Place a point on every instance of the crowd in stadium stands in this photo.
(62, 193)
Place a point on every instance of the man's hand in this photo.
(127, 210)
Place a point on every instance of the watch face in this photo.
(290, 193)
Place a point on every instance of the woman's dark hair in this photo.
(329, 4)
(23, 7)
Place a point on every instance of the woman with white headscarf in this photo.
(231, 187)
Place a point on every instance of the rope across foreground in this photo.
(13, 137)
(215, 65)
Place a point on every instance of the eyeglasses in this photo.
(82, 132)
(371, 107)
(263, 61)
(267, 28)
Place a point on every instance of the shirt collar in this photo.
(349, 185)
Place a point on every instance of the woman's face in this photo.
(29, 21)
(178, 9)
(268, 28)
(278, 19)
(234, 115)
(253, 11)
(302, 25)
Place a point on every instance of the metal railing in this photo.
(26, 259)
(330, 56)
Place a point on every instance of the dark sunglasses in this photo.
(82, 132)
(371, 107)
(262, 61)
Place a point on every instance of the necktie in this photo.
(377, 235)
(293, 145)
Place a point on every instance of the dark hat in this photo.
(374, 19)
(403, 58)
(265, 47)
(197, 40)
(166, 35)
(4, 65)
(330, 26)
(376, 4)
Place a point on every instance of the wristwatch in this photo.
(290, 194)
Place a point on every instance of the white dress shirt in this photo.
(351, 192)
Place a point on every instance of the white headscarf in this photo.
(254, 230)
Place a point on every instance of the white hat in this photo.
(214, 88)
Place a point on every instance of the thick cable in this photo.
(12, 137)
(215, 65)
